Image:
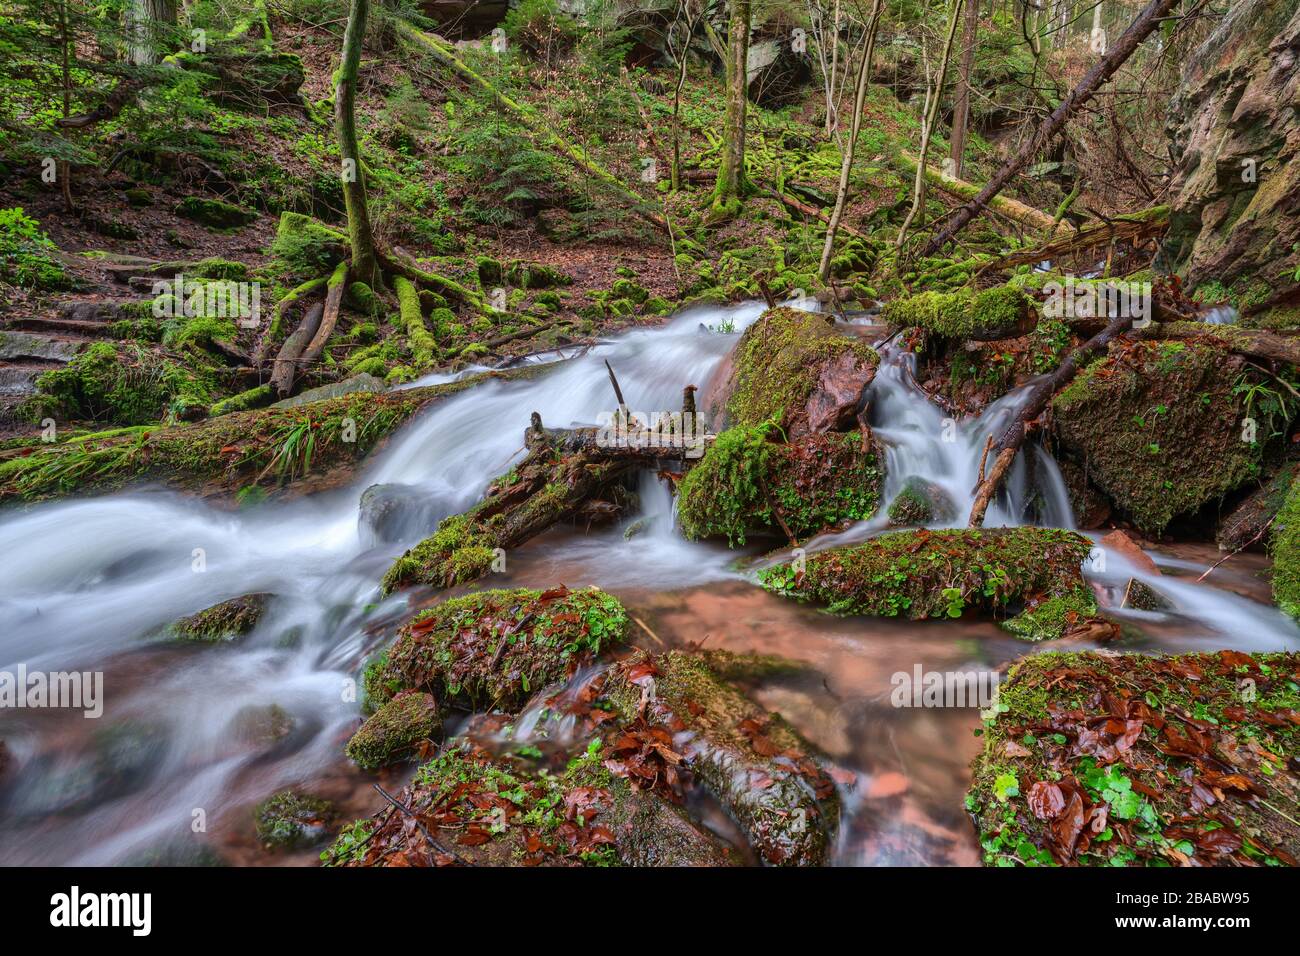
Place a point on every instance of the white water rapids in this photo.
(192, 734)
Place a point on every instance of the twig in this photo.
(1259, 535)
(645, 627)
(445, 850)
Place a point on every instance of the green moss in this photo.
(497, 647)
(421, 344)
(1159, 428)
(214, 213)
(960, 314)
(395, 730)
(306, 248)
(364, 300)
(289, 820)
(124, 384)
(776, 361)
(1053, 616)
(927, 574)
(1285, 550)
(221, 623)
(255, 397)
(533, 275)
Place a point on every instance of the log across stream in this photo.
(193, 738)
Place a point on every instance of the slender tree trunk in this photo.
(961, 110)
(65, 42)
(832, 100)
(846, 161)
(1129, 41)
(365, 260)
(677, 94)
(142, 20)
(731, 174)
(927, 124)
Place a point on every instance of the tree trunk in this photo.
(927, 125)
(365, 260)
(961, 109)
(1137, 31)
(731, 174)
(846, 162)
(143, 19)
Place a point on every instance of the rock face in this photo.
(1238, 109)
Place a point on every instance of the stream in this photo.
(191, 739)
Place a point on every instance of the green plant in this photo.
(27, 255)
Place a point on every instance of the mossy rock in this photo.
(921, 502)
(1159, 427)
(1285, 549)
(490, 272)
(940, 574)
(998, 312)
(215, 213)
(495, 648)
(395, 730)
(1130, 760)
(289, 820)
(746, 483)
(512, 814)
(308, 249)
(753, 763)
(794, 368)
(220, 624)
(534, 275)
(120, 384)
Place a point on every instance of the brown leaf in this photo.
(1046, 800)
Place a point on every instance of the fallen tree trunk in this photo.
(648, 444)
(1013, 436)
(1145, 22)
(1131, 227)
(1012, 209)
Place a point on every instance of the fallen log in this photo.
(1013, 436)
(677, 442)
(1012, 209)
(1252, 343)
(1128, 227)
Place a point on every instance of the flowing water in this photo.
(192, 738)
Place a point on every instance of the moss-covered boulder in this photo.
(1285, 549)
(495, 648)
(1123, 760)
(749, 483)
(289, 820)
(1160, 428)
(214, 213)
(753, 763)
(395, 730)
(1032, 572)
(921, 502)
(220, 624)
(483, 811)
(307, 248)
(534, 275)
(793, 367)
(996, 313)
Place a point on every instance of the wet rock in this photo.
(941, 574)
(394, 731)
(394, 512)
(997, 313)
(220, 624)
(1136, 593)
(480, 810)
(1159, 428)
(1090, 761)
(794, 367)
(1248, 521)
(26, 345)
(751, 483)
(495, 648)
(289, 820)
(262, 726)
(753, 763)
(921, 502)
